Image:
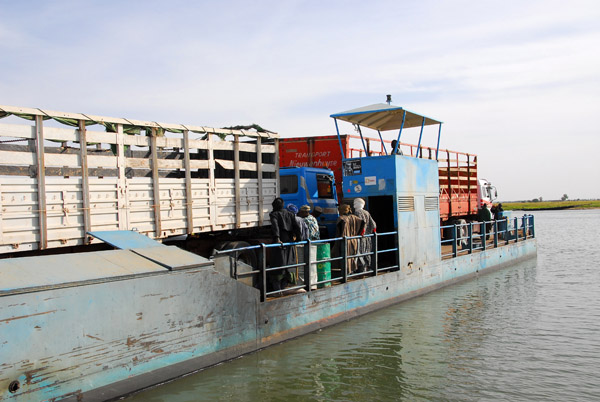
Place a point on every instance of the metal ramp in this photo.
(170, 257)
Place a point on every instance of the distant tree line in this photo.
(564, 197)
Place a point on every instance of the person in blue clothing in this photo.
(311, 222)
(301, 222)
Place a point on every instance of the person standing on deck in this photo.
(485, 216)
(499, 216)
(311, 222)
(364, 262)
(349, 225)
(283, 228)
(303, 226)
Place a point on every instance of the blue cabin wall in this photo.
(414, 186)
(417, 204)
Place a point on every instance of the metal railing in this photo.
(478, 236)
(340, 244)
(465, 239)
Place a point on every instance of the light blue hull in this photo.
(100, 338)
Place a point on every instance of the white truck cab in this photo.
(486, 193)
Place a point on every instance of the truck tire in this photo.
(247, 256)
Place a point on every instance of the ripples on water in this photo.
(528, 332)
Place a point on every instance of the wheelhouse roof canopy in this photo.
(383, 117)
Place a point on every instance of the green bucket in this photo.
(323, 268)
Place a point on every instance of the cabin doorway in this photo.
(381, 209)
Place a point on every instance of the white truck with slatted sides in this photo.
(162, 180)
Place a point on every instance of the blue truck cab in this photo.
(314, 187)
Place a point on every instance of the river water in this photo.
(530, 332)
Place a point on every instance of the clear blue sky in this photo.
(516, 82)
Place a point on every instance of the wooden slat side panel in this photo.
(85, 184)
(201, 196)
(155, 184)
(20, 217)
(212, 183)
(131, 184)
(260, 181)
(41, 182)
(11, 158)
(16, 155)
(188, 183)
(17, 131)
(141, 211)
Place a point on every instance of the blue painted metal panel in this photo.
(408, 180)
(125, 239)
(390, 175)
(376, 176)
(49, 271)
(287, 315)
(62, 342)
(148, 324)
(172, 257)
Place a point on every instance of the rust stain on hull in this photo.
(7, 320)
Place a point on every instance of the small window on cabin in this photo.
(324, 186)
(288, 184)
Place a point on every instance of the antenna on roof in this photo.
(389, 99)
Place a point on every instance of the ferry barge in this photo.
(98, 325)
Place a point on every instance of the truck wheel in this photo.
(246, 256)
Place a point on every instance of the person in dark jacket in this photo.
(485, 216)
(303, 226)
(398, 151)
(284, 227)
(499, 217)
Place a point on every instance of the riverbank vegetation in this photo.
(549, 205)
